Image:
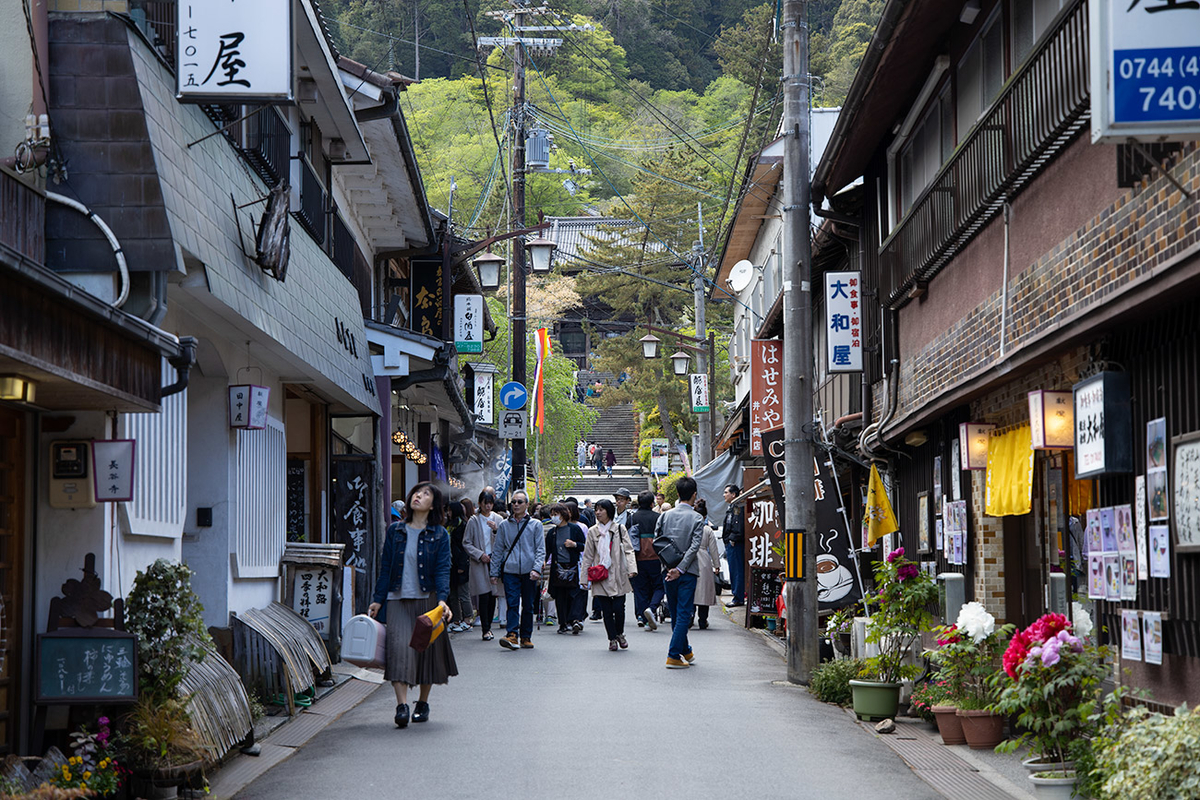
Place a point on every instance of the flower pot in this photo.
(875, 700)
(1054, 786)
(983, 729)
(1035, 764)
(843, 643)
(949, 724)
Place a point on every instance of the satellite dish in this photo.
(741, 275)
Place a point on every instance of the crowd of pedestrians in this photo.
(541, 563)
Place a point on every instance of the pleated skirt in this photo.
(405, 665)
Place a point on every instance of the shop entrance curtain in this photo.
(1009, 473)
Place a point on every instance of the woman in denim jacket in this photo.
(421, 544)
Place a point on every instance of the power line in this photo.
(410, 41)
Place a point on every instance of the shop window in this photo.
(980, 75)
(159, 505)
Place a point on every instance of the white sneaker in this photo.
(648, 615)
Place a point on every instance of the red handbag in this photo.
(597, 573)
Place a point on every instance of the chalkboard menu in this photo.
(765, 586)
(86, 665)
(297, 497)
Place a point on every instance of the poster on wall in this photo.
(1139, 526)
(1131, 636)
(1156, 495)
(938, 530)
(1156, 444)
(1112, 576)
(1128, 576)
(1153, 632)
(937, 484)
(1096, 576)
(924, 541)
(960, 555)
(955, 472)
(1093, 540)
(1160, 551)
(1125, 540)
(1108, 530)
(1185, 502)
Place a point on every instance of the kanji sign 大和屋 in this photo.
(843, 323)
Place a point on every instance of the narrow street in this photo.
(569, 718)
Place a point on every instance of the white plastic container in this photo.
(363, 642)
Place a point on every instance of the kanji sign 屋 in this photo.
(231, 51)
(843, 321)
(766, 390)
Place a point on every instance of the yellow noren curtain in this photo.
(1010, 473)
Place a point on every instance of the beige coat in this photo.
(624, 565)
(709, 558)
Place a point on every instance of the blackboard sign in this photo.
(297, 500)
(86, 665)
(765, 586)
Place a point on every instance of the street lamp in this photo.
(489, 265)
(541, 251)
(681, 362)
(650, 344)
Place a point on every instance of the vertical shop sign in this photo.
(843, 322)
(354, 519)
(766, 390)
(698, 384)
(426, 296)
(468, 323)
(112, 470)
(485, 405)
(313, 600)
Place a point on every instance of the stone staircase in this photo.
(616, 429)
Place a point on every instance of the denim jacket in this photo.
(433, 561)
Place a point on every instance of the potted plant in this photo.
(838, 628)
(94, 766)
(967, 655)
(927, 696)
(1147, 754)
(162, 747)
(902, 613)
(1051, 681)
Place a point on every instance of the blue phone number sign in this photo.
(1156, 85)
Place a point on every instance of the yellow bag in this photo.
(429, 627)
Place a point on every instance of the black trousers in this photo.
(613, 611)
(487, 610)
(571, 602)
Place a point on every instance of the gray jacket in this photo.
(529, 553)
(685, 527)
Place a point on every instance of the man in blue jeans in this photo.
(733, 533)
(684, 528)
(518, 553)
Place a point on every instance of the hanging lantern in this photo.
(489, 265)
(973, 444)
(541, 252)
(650, 344)
(1052, 420)
(681, 362)
(248, 406)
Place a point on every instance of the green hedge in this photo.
(831, 680)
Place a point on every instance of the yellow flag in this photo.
(880, 519)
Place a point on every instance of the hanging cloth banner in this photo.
(881, 520)
(1010, 473)
(542, 345)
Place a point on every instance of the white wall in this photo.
(16, 76)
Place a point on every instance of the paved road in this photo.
(571, 719)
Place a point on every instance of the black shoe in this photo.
(596, 616)
(703, 624)
(420, 712)
(402, 715)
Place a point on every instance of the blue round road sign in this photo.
(513, 396)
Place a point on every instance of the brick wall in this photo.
(1121, 246)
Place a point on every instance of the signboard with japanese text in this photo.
(1103, 425)
(766, 390)
(312, 598)
(698, 386)
(86, 665)
(230, 52)
(843, 321)
(426, 310)
(354, 520)
(468, 323)
(112, 469)
(484, 401)
(248, 406)
(1145, 70)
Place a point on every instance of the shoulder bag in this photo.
(520, 530)
(668, 552)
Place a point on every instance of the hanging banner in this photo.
(468, 323)
(766, 390)
(233, 52)
(659, 457)
(112, 470)
(354, 520)
(698, 383)
(485, 404)
(426, 294)
(843, 322)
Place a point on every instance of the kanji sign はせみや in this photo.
(233, 52)
(843, 321)
(766, 390)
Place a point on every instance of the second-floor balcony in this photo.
(1042, 107)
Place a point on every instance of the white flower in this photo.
(1083, 625)
(976, 622)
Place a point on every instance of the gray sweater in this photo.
(685, 527)
(529, 553)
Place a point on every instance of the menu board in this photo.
(86, 665)
(765, 586)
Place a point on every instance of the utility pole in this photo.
(703, 453)
(518, 245)
(802, 649)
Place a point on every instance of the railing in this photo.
(268, 145)
(839, 395)
(343, 247)
(312, 203)
(22, 218)
(160, 18)
(1043, 106)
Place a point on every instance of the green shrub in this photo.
(1154, 756)
(831, 680)
(666, 485)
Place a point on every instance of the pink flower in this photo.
(1050, 655)
(907, 571)
(1047, 627)
(103, 721)
(895, 554)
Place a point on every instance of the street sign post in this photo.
(513, 424)
(513, 396)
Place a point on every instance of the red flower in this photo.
(1047, 627)
(950, 636)
(1017, 652)
(895, 554)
